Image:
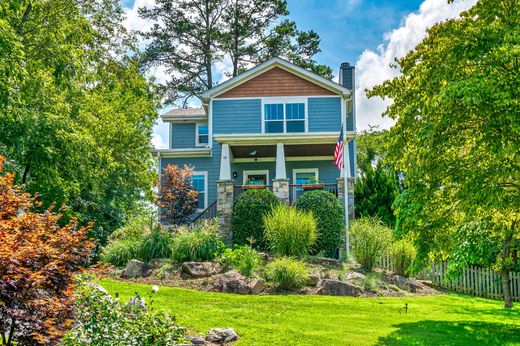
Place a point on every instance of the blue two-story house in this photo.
(273, 123)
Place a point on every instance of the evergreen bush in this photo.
(247, 217)
(329, 215)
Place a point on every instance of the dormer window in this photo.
(287, 116)
(202, 135)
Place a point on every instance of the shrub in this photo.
(289, 231)
(370, 239)
(157, 244)
(40, 255)
(177, 198)
(244, 258)
(202, 243)
(247, 217)
(287, 273)
(103, 320)
(120, 252)
(402, 254)
(329, 215)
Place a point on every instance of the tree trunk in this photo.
(508, 301)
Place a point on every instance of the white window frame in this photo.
(205, 174)
(197, 144)
(245, 174)
(316, 172)
(284, 101)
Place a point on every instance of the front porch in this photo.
(288, 168)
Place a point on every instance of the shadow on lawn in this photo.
(453, 333)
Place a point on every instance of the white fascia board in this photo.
(276, 62)
(189, 152)
(285, 138)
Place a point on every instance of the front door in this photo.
(257, 177)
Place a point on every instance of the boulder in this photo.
(159, 262)
(264, 256)
(407, 284)
(233, 282)
(257, 286)
(221, 335)
(338, 288)
(196, 340)
(200, 269)
(427, 283)
(355, 275)
(312, 280)
(136, 269)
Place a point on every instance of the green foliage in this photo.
(377, 184)
(329, 215)
(247, 218)
(289, 231)
(402, 255)
(244, 258)
(156, 244)
(121, 251)
(202, 243)
(369, 240)
(76, 114)
(456, 136)
(287, 273)
(103, 320)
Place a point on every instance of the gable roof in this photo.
(181, 114)
(269, 64)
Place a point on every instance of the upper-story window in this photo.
(284, 117)
(202, 135)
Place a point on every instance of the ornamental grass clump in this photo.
(402, 255)
(157, 244)
(369, 239)
(287, 273)
(202, 243)
(289, 231)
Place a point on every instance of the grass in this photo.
(320, 320)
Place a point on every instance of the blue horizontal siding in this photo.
(237, 116)
(183, 135)
(239, 169)
(324, 114)
(327, 171)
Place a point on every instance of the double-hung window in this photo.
(200, 184)
(202, 136)
(284, 117)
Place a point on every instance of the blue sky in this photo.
(368, 34)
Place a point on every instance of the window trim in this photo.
(253, 172)
(197, 143)
(284, 101)
(205, 174)
(316, 172)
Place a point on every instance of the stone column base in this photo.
(281, 189)
(225, 190)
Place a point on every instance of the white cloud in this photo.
(160, 135)
(373, 68)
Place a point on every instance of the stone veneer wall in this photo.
(281, 189)
(225, 208)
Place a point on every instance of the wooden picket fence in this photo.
(477, 281)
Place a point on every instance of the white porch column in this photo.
(281, 183)
(225, 163)
(280, 162)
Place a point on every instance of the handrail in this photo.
(209, 213)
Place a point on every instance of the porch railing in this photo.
(241, 188)
(296, 190)
(209, 213)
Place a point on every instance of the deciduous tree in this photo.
(177, 198)
(38, 261)
(457, 137)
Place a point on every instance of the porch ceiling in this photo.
(269, 151)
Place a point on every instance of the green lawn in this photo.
(319, 320)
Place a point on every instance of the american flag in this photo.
(338, 153)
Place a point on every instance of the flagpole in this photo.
(346, 173)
